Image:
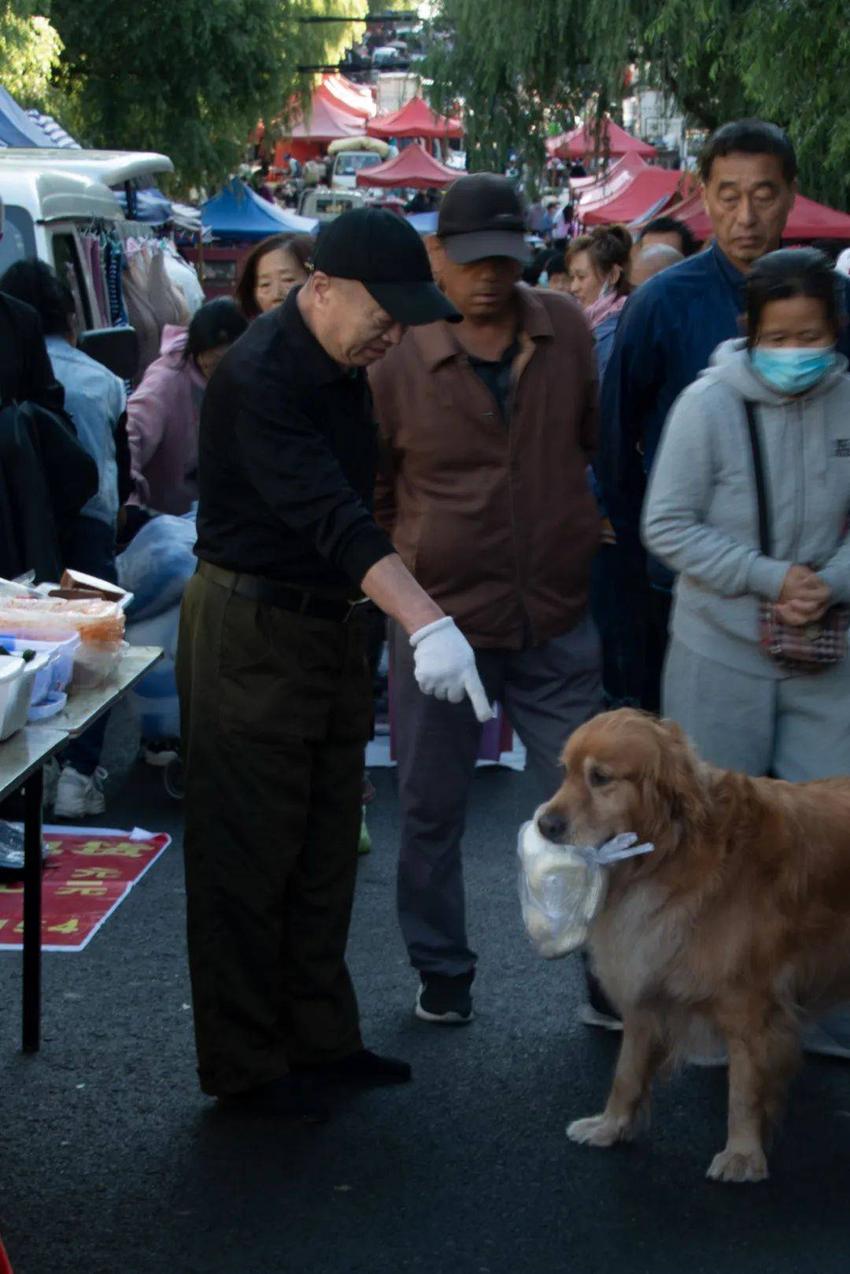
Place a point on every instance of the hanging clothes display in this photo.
(151, 298)
(128, 268)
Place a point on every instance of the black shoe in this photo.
(365, 1068)
(445, 1000)
(290, 1097)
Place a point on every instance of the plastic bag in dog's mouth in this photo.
(562, 887)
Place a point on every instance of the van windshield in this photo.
(350, 162)
(18, 241)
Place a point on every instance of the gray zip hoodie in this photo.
(700, 515)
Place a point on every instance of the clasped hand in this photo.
(804, 598)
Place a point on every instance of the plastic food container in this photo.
(56, 675)
(16, 684)
(95, 662)
(99, 625)
(49, 707)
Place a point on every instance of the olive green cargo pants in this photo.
(276, 709)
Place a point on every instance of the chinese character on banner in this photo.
(124, 849)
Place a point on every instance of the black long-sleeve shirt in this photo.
(26, 375)
(287, 455)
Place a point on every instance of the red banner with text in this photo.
(88, 873)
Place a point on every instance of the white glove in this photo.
(444, 666)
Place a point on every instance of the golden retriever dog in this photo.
(739, 919)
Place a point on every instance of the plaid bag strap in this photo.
(758, 474)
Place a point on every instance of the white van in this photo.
(348, 163)
(50, 197)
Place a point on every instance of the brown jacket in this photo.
(495, 519)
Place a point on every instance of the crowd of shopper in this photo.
(567, 447)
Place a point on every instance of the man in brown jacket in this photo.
(488, 427)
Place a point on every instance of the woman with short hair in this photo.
(270, 271)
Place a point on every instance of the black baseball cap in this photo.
(382, 251)
(481, 216)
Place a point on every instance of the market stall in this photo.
(615, 184)
(648, 190)
(237, 218)
(415, 120)
(414, 168)
(17, 128)
(326, 121)
(350, 97)
(238, 214)
(611, 141)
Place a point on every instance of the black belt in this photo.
(284, 596)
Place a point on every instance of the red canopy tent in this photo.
(323, 123)
(345, 95)
(414, 167)
(616, 183)
(415, 119)
(649, 189)
(580, 184)
(613, 140)
(808, 220)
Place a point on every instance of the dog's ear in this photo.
(676, 779)
(673, 730)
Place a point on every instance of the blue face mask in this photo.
(793, 371)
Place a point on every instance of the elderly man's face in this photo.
(351, 325)
(483, 291)
(748, 199)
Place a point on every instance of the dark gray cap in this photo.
(481, 216)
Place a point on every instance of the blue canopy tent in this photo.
(16, 127)
(54, 132)
(239, 214)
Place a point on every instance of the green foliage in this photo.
(522, 70)
(29, 51)
(190, 79)
(796, 63)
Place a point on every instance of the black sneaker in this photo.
(445, 1000)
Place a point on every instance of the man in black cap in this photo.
(488, 427)
(274, 684)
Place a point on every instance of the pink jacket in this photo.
(162, 427)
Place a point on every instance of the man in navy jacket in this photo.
(667, 334)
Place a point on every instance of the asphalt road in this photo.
(112, 1162)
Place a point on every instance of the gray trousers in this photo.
(795, 728)
(547, 692)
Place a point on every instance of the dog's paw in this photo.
(737, 1165)
(600, 1130)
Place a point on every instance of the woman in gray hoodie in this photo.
(744, 710)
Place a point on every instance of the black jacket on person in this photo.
(287, 458)
(25, 371)
(46, 475)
